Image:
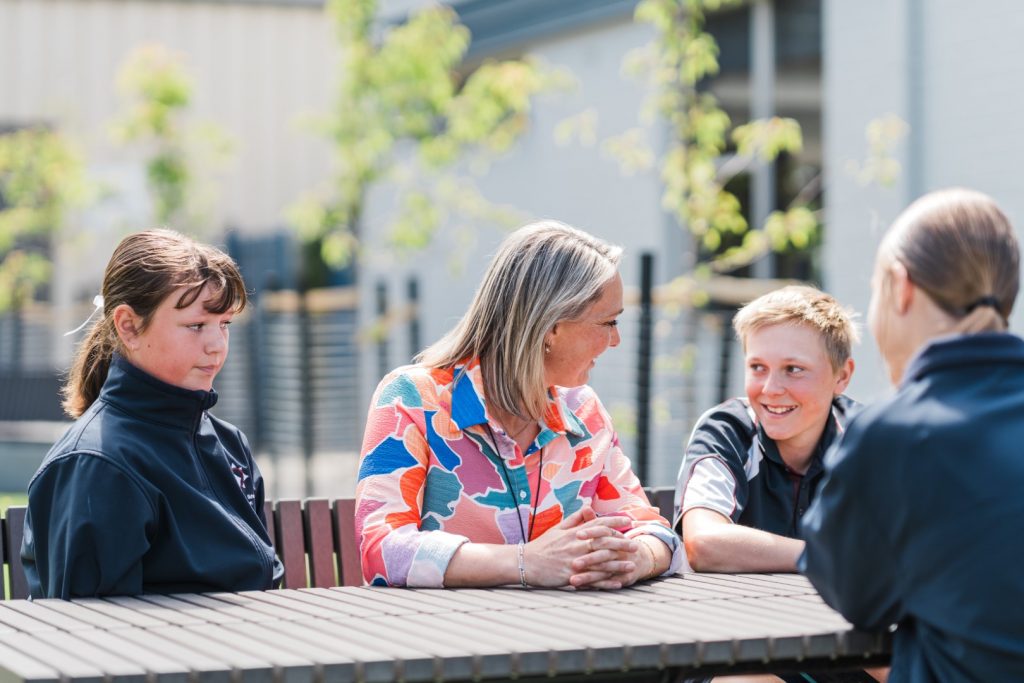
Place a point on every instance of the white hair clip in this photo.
(97, 301)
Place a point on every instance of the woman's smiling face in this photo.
(574, 345)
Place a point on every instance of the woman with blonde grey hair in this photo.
(490, 461)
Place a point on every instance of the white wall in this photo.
(255, 67)
(865, 72)
(951, 70)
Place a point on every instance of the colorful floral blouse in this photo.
(436, 471)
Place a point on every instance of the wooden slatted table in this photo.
(700, 623)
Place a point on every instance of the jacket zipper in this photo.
(257, 542)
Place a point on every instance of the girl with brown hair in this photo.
(147, 492)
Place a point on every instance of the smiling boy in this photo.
(753, 463)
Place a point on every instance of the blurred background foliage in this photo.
(42, 179)
(677, 65)
(409, 110)
(180, 155)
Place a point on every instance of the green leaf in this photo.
(416, 224)
(41, 177)
(631, 150)
(338, 248)
(157, 91)
(765, 139)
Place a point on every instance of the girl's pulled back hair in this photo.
(544, 273)
(959, 247)
(145, 269)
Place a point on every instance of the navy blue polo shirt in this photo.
(732, 467)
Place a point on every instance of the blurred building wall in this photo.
(256, 68)
(949, 70)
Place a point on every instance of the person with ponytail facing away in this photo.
(147, 492)
(919, 520)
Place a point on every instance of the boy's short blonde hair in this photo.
(806, 306)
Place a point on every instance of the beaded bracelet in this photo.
(522, 565)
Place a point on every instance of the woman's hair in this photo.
(544, 273)
(145, 269)
(960, 249)
(798, 304)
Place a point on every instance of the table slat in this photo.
(243, 665)
(12, 619)
(201, 667)
(21, 666)
(80, 612)
(71, 667)
(56, 618)
(115, 668)
(195, 613)
(159, 667)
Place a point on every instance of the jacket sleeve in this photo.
(87, 528)
(848, 555)
(394, 548)
(619, 492)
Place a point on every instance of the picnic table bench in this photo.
(315, 539)
(321, 627)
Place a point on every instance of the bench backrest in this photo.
(11, 529)
(315, 539)
(663, 498)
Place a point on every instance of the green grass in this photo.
(9, 499)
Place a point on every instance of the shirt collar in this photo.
(469, 407)
(138, 393)
(963, 350)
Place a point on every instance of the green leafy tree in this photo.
(681, 58)
(406, 112)
(42, 177)
(159, 93)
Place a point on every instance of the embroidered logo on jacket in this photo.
(241, 476)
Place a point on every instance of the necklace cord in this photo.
(514, 491)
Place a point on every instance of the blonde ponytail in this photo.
(982, 316)
(960, 249)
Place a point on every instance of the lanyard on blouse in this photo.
(513, 491)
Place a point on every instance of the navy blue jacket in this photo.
(920, 520)
(147, 493)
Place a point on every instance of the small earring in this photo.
(547, 349)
